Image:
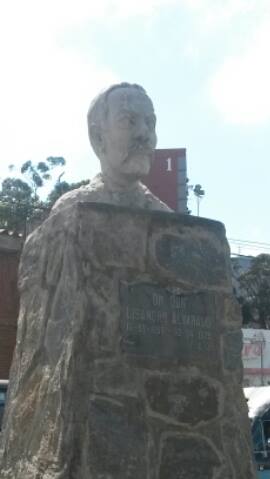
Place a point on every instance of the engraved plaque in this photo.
(195, 261)
(159, 323)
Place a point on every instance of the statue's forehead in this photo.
(129, 99)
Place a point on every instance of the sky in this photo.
(204, 63)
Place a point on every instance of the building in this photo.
(168, 178)
(256, 357)
(10, 249)
(240, 264)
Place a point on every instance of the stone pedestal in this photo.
(128, 357)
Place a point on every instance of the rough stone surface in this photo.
(122, 368)
(188, 399)
(188, 456)
(188, 257)
(98, 191)
(117, 439)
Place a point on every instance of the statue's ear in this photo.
(95, 136)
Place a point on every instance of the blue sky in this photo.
(205, 64)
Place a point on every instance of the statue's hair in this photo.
(98, 109)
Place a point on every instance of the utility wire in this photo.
(249, 242)
(252, 246)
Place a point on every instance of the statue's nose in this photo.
(143, 131)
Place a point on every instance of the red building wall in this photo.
(167, 178)
(9, 306)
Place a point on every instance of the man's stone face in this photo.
(129, 135)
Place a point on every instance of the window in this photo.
(2, 396)
(257, 435)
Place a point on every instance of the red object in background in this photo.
(167, 178)
(9, 305)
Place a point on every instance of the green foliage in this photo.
(62, 187)
(15, 189)
(19, 199)
(255, 284)
(16, 204)
(56, 161)
(38, 174)
(198, 191)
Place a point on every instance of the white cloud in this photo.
(213, 12)
(59, 14)
(45, 89)
(240, 88)
(44, 106)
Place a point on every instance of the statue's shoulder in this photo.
(152, 202)
(97, 192)
(89, 192)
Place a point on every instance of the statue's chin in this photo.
(133, 168)
(135, 174)
(137, 166)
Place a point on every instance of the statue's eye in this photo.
(127, 121)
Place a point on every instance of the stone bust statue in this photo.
(121, 127)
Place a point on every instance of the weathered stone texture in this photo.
(188, 456)
(127, 362)
(188, 399)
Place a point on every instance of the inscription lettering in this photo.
(154, 320)
(157, 299)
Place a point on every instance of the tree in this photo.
(19, 199)
(199, 193)
(38, 174)
(255, 292)
(62, 187)
(20, 202)
(15, 203)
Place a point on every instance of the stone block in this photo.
(188, 456)
(128, 343)
(188, 399)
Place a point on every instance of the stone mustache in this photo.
(128, 356)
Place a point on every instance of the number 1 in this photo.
(169, 164)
